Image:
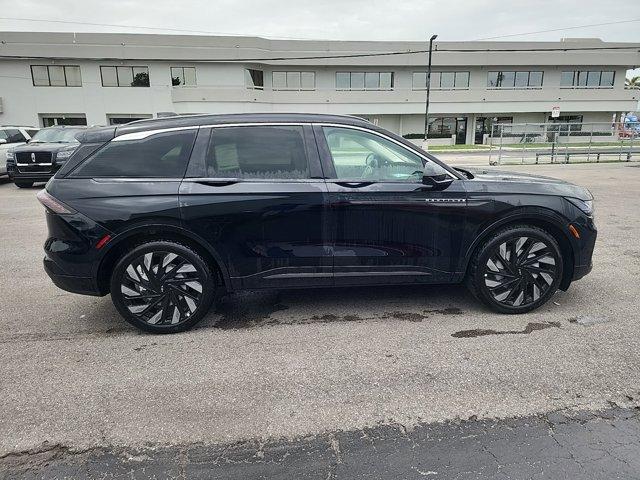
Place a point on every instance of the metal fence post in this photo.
(566, 145)
(500, 151)
(490, 143)
(524, 142)
(590, 142)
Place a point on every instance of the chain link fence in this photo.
(530, 143)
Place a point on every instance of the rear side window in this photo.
(164, 155)
(256, 152)
(12, 135)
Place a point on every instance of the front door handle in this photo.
(354, 184)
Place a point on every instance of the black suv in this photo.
(168, 214)
(42, 156)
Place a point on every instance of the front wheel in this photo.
(162, 287)
(516, 270)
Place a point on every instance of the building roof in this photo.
(262, 51)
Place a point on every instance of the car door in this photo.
(255, 193)
(388, 226)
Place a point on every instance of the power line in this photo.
(574, 27)
(329, 57)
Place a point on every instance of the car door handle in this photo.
(354, 184)
(216, 183)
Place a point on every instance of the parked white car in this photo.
(12, 137)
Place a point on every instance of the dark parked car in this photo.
(42, 156)
(168, 214)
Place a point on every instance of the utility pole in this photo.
(426, 108)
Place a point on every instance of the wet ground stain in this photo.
(531, 327)
(257, 312)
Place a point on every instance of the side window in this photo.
(14, 136)
(362, 155)
(255, 152)
(164, 155)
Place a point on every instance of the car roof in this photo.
(209, 119)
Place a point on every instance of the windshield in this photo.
(56, 135)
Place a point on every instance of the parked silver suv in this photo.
(13, 137)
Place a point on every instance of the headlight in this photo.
(64, 154)
(586, 206)
(10, 155)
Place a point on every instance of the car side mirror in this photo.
(3, 141)
(435, 176)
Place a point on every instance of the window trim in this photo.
(364, 88)
(118, 80)
(195, 75)
(292, 89)
(516, 87)
(576, 73)
(64, 71)
(432, 86)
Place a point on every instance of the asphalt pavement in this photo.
(290, 369)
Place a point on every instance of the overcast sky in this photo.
(336, 19)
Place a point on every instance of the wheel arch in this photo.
(545, 219)
(117, 246)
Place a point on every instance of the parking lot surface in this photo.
(291, 364)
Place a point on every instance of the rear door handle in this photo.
(354, 184)
(217, 183)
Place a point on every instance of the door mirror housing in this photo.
(435, 176)
(3, 141)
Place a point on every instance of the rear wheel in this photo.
(162, 287)
(517, 270)
(23, 184)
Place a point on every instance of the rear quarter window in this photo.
(164, 155)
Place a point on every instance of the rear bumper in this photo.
(580, 271)
(70, 283)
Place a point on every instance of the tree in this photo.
(140, 80)
(633, 82)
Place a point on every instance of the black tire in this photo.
(516, 270)
(23, 184)
(162, 278)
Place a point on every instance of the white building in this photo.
(101, 78)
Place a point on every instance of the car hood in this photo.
(515, 182)
(43, 147)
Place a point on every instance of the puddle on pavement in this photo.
(531, 327)
(253, 311)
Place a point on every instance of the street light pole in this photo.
(426, 108)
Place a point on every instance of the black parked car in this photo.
(42, 156)
(168, 214)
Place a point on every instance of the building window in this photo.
(50, 120)
(56, 75)
(364, 80)
(124, 76)
(254, 78)
(441, 80)
(509, 79)
(293, 81)
(587, 79)
(121, 119)
(183, 76)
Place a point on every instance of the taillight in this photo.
(53, 204)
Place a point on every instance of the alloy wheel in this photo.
(161, 288)
(520, 271)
